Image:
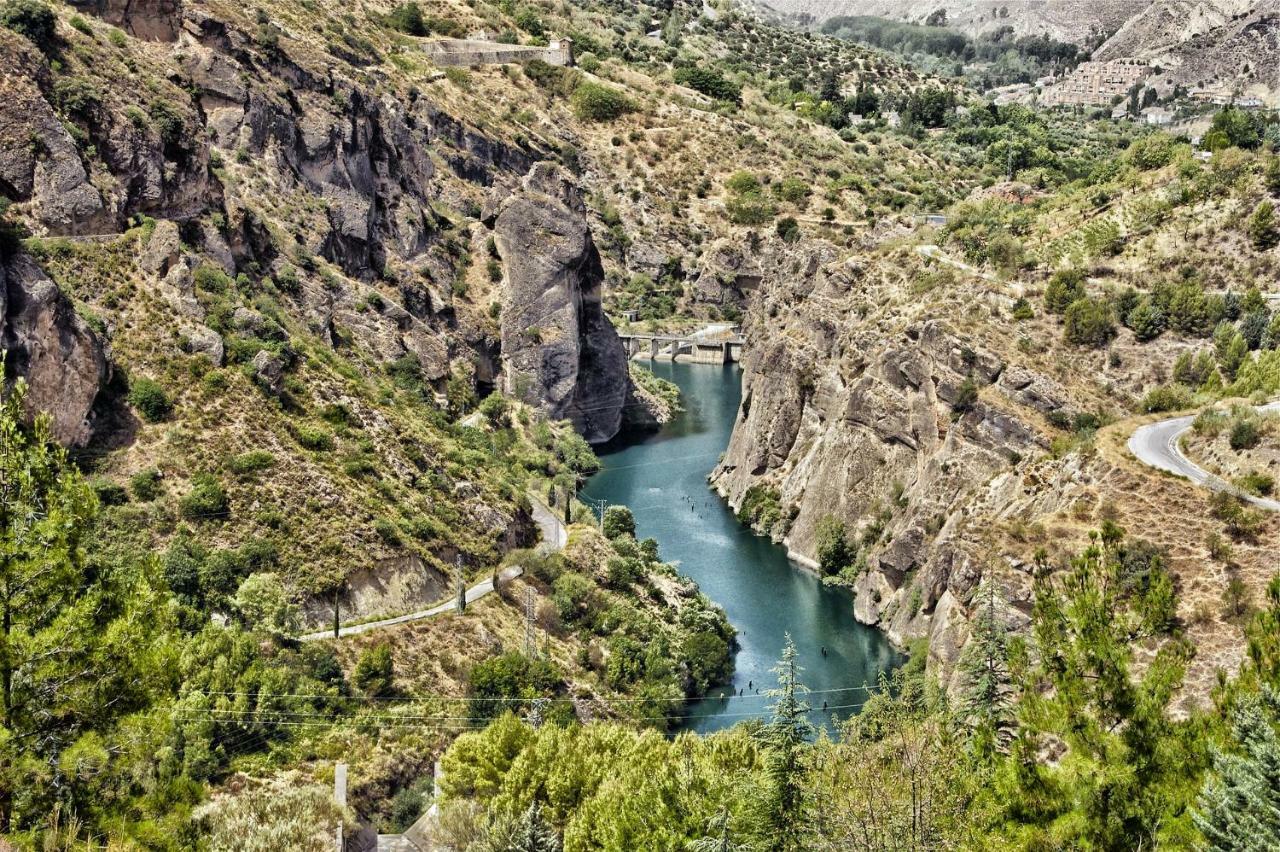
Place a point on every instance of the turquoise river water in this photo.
(662, 477)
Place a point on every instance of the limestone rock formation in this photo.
(52, 348)
(559, 350)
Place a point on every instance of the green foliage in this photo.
(1166, 398)
(150, 399)
(251, 462)
(83, 647)
(77, 96)
(313, 437)
(1066, 286)
(374, 673)
(836, 553)
(1088, 322)
(408, 19)
(145, 485)
(1261, 227)
(761, 507)
(788, 229)
(1130, 770)
(206, 501)
(507, 682)
(1239, 805)
(595, 102)
(966, 396)
(618, 521)
(32, 19)
(1146, 319)
(1234, 127)
(709, 82)
(746, 203)
(1244, 434)
(265, 604)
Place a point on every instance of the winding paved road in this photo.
(554, 537)
(1157, 445)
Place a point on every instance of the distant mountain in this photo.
(1217, 44)
(1067, 20)
(1223, 45)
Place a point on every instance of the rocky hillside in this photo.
(951, 427)
(1064, 20)
(1225, 45)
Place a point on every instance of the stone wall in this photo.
(467, 52)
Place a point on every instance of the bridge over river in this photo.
(715, 344)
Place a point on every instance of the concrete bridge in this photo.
(718, 347)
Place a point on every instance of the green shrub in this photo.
(1166, 398)
(618, 521)
(207, 500)
(594, 102)
(314, 438)
(1146, 320)
(1257, 483)
(834, 550)
(374, 673)
(77, 95)
(145, 485)
(966, 396)
(711, 83)
(109, 493)
(1022, 309)
(32, 19)
(1261, 227)
(1065, 287)
(496, 684)
(1088, 322)
(788, 229)
(150, 399)
(408, 19)
(1244, 435)
(251, 462)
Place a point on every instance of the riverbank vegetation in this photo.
(918, 768)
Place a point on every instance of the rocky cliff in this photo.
(559, 350)
(904, 402)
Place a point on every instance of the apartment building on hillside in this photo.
(1097, 83)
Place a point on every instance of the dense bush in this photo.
(374, 673)
(618, 521)
(594, 102)
(1244, 435)
(145, 485)
(408, 19)
(32, 19)
(834, 550)
(1166, 398)
(150, 399)
(207, 500)
(1065, 286)
(1088, 322)
(711, 83)
(494, 684)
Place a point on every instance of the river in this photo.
(662, 477)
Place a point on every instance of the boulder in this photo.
(268, 371)
(559, 350)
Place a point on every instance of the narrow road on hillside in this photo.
(1157, 445)
(554, 537)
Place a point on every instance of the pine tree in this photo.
(987, 698)
(785, 739)
(533, 834)
(1240, 803)
(81, 642)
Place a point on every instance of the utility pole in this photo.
(462, 587)
(337, 620)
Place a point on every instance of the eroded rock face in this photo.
(150, 20)
(559, 350)
(49, 345)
